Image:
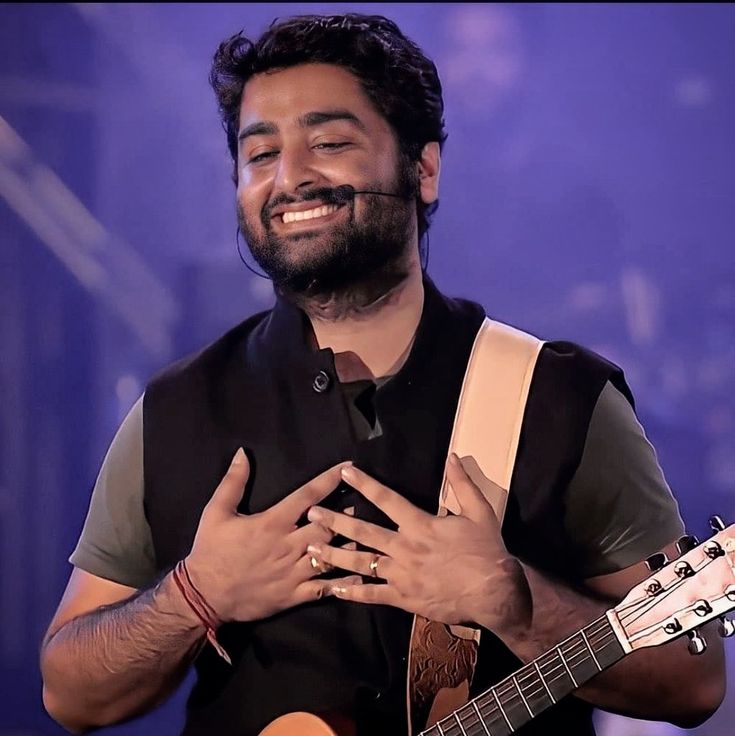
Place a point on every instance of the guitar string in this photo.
(507, 690)
(644, 605)
(514, 685)
(453, 726)
(654, 600)
(511, 688)
(513, 691)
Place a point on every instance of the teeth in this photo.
(326, 209)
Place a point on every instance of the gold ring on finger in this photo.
(374, 565)
(319, 565)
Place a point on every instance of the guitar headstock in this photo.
(681, 596)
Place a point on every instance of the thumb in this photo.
(471, 499)
(229, 492)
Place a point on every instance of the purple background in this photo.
(587, 194)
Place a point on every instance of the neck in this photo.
(380, 333)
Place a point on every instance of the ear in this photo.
(429, 165)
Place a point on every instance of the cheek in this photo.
(245, 176)
(250, 199)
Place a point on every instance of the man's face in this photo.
(304, 131)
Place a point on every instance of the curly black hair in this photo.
(394, 73)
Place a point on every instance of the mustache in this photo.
(327, 195)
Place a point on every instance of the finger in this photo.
(473, 503)
(313, 590)
(296, 503)
(310, 534)
(371, 535)
(228, 494)
(382, 593)
(396, 507)
(365, 563)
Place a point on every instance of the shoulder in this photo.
(188, 369)
(618, 506)
(567, 366)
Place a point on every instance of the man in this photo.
(346, 392)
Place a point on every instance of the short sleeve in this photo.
(116, 542)
(619, 507)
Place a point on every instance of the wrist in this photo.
(169, 600)
(506, 608)
(201, 582)
(199, 606)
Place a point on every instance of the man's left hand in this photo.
(454, 569)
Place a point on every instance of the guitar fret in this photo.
(511, 703)
(523, 697)
(543, 682)
(586, 641)
(492, 717)
(479, 716)
(502, 710)
(528, 680)
(459, 723)
(566, 667)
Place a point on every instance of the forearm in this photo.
(663, 683)
(121, 660)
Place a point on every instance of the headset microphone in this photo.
(347, 192)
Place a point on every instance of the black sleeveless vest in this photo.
(262, 387)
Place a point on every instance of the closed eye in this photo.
(328, 146)
(332, 146)
(261, 157)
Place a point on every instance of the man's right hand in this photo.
(251, 566)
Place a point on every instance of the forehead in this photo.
(283, 96)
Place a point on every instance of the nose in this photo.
(294, 172)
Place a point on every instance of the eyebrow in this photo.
(308, 120)
(317, 118)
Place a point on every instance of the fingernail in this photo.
(239, 458)
(338, 590)
(453, 459)
(314, 549)
(348, 472)
(315, 514)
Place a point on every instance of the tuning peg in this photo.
(726, 627)
(686, 543)
(697, 643)
(657, 561)
(716, 523)
(653, 587)
(713, 550)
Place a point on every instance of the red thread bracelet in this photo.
(196, 601)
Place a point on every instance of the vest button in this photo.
(322, 382)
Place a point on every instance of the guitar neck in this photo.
(514, 701)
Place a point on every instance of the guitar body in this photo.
(307, 724)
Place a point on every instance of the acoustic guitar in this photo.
(681, 595)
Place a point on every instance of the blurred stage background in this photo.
(587, 193)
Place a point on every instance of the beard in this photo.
(349, 266)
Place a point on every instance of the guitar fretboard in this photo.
(517, 699)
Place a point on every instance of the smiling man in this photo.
(288, 573)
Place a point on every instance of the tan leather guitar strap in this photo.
(487, 428)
